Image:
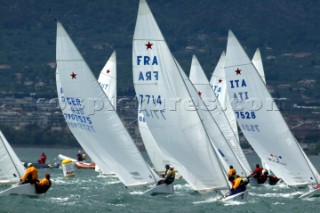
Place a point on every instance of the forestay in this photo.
(165, 101)
(261, 122)
(92, 118)
(225, 139)
(11, 168)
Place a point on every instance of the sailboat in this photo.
(92, 118)
(261, 121)
(227, 141)
(164, 95)
(12, 170)
(219, 86)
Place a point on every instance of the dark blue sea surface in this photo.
(90, 191)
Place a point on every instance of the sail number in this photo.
(246, 115)
(250, 128)
(150, 99)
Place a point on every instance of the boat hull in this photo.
(312, 193)
(160, 189)
(83, 165)
(23, 189)
(42, 166)
(242, 196)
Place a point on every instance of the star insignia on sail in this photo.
(108, 71)
(199, 93)
(149, 45)
(238, 71)
(220, 80)
(73, 75)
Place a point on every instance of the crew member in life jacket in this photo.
(79, 156)
(169, 177)
(257, 172)
(43, 185)
(238, 185)
(232, 173)
(263, 176)
(30, 176)
(165, 173)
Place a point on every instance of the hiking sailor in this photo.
(30, 176)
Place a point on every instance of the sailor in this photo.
(263, 177)
(30, 176)
(257, 172)
(43, 158)
(79, 156)
(43, 185)
(239, 185)
(165, 173)
(84, 156)
(169, 177)
(232, 173)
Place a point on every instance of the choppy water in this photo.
(90, 191)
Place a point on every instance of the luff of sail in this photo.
(11, 167)
(160, 89)
(92, 118)
(226, 141)
(263, 126)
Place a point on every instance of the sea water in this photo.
(90, 191)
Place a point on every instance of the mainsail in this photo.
(226, 142)
(108, 79)
(261, 121)
(92, 118)
(158, 158)
(164, 99)
(257, 62)
(11, 168)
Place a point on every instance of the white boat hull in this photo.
(23, 189)
(160, 189)
(312, 193)
(242, 196)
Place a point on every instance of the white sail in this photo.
(108, 79)
(158, 159)
(226, 142)
(92, 118)
(108, 82)
(163, 96)
(11, 168)
(219, 86)
(257, 62)
(261, 122)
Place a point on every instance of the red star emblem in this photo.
(73, 75)
(238, 71)
(199, 93)
(149, 45)
(220, 81)
(108, 71)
